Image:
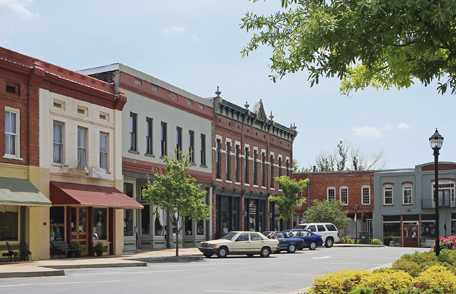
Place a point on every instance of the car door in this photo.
(256, 242)
(241, 243)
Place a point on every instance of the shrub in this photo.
(385, 282)
(346, 240)
(376, 242)
(436, 279)
(337, 283)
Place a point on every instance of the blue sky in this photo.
(195, 45)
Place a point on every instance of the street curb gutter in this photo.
(161, 259)
(49, 273)
(94, 265)
(358, 245)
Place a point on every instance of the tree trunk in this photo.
(177, 234)
(169, 230)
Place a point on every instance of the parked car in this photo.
(287, 242)
(238, 243)
(328, 232)
(311, 240)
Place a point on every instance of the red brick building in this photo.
(249, 151)
(353, 189)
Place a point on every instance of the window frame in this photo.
(362, 195)
(102, 152)
(164, 139)
(218, 158)
(86, 147)
(133, 130)
(406, 186)
(58, 122)
(340, 195)
(228, 146)
(203, 161)
(17, 134)
(388, 187)
(332, 188)
(179, 131)
(150, 136)
(191, 146)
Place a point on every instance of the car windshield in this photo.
(229, 236)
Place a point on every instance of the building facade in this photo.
(159, 120)
(354, 191)
(404, 213)
(249, 150)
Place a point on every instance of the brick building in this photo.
(249, 151)
(353, 189)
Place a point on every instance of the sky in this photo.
(196, 46)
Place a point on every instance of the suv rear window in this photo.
(255, 237)
(331, 228)
(321, 228)
(311, 228)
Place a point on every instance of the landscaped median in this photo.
(411, 274)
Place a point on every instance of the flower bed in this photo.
(448, 241)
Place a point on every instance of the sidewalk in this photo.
(55, 267)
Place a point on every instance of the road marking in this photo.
(321, 257)
(59, 283)
(125, 272)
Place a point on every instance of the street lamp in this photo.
(436, 142)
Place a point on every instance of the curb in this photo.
(48, 273)
(162, 259)
(94, 265)
(359, 245)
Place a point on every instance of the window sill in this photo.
(237, 183)
(13, 157)
(219, 180)
(408, 204)
(387, 204)
(133, 151)
(228, 181)
(149, 155)
(203, 165)
(60, 165)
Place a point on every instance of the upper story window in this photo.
(263, 167)
(164, 139)
(58, 142)
(82, 110)
(388, 195)
(287, 166)
(343, 195)
(238, 163)
(203, 149)
(133, 131)
(228, 161)
(280, 166)
(271, 183)
(191, 146)
(331, 194)
(446, 192)
(246, 169)
(218, 158)
(179, 143)
(104, 151)
(365, 195)
(12, 128)
(255, 167)
(82, 147)
(11, 88)
(407, 194)
(150, 136)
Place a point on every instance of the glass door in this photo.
(410, 234)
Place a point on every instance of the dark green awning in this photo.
(21, 192)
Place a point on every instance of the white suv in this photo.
(328, 232)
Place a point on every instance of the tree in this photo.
(364, 43)
(290, 199)
(177, 192)
(327, 212)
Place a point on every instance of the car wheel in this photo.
(222, 252)
(265, 252)
(329, 242)
(312, 246)
(291, 248)
(208, 255)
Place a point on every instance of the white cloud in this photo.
(20, 7)
(368, 131)
(172, 30)
(403, 126)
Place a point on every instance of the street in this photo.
(284, 273)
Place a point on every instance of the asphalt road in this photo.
(284, 274)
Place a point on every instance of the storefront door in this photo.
(130, 241)
(410, 234)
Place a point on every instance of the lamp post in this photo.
(436, 141)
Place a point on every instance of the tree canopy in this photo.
(364, 43)
(177, 192)
(326, 212)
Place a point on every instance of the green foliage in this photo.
(364, 43)
(376, 242)
(337, 283)
(436, 279)
(416, 263)
(347, 240)
(385, 282)
(289, 200)
(327, 212)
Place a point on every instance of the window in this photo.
(331, 228)
(321, 228)
(287, 166)
(271, 183)
(188, 226)
(255, 237)
(103, 116)
(280, 166)
(164, 139)
(59, 104)
(150, 136)
(159, 222)
(82, 110)
(191, 146)
(218, 159)
(12, 132)
(145, 219)
(255, 167)
(407, 194)
(365, 195)
(388, 195)
(82, 147)
(12, 89)
(343, 195)
(179, 143)
(246, 168)
(133, 131)
(100, 224)
(104, 151)
(9, 223)
(243, 237)
(331, 194)
(58, 153)
(263, 167)
(311, 228)
(228, 161)
(238, 163)
(203, 149)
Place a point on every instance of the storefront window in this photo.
(82, 227)
(427, 233)
(160, 222)
(188, 226)
(252, 214)
(392, 234)
(73, 220)
(145, 220)
(128, 222)
(9, 223)
(200, 227)
(100, 224)
(57, 223)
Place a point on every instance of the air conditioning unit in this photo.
(96, 172)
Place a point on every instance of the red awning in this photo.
(90, 195)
